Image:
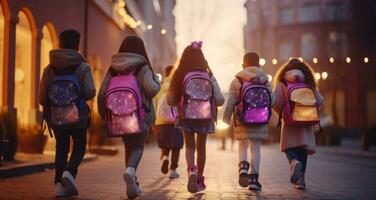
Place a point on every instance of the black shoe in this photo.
(243, 173)
(164, 167)
(254, 183)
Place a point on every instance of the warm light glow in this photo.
(127, 19)
(149, 27)
(301, 59)
(324, 75)
(221, 125)
(270, 78)
(262, 61)
(275, 61)
(315, 60)
(348, 59)
(331, 60)
(317, 76)
(2, 52)
(159, 77)
(366, 60)
(163, 31)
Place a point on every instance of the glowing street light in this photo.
(275, 61)
(315, 60)
(348, 59)
(324, 75)
(262, 61)
(366, 60)
(163, 31)
(331, 60)
(317, 76)
(149, 26)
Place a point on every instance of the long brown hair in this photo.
(192, 59)
(295, 63)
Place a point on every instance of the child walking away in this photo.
(66, 84)
(170, 139)
(250, 100)
(125, 103)
(297, 103)
(196, 93)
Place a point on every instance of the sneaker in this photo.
(192, 179)
(164, 167)
(300, 184)
(69, 184)
(138, 189)
(130, 179)
(243, 173)
(174, 174)
(201, 184)
(254, 184)
(60, 190)
(295, 168)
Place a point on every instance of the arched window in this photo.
(24, 74)
(49, 42)
(308, 46)
(4, 14)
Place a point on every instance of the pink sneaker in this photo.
(201, 183)
(192, 179)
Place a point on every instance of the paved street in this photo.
(328, 177)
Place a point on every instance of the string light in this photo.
(275, 61)
(366, 60)
(149, 27)
(324, 75)
(163, 31)
(317, 76)
(262, 61)
(315, 60)
(270, 78)
(348, 59)
(331, 60)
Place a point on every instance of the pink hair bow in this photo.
(196, 44)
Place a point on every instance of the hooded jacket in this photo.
(61, 59)
(125, 62)
(294, 136)
(254, 74)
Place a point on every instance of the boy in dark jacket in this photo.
(67, 60)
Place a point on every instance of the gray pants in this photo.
(255, 156)
(134, 148)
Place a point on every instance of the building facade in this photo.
(322, 33)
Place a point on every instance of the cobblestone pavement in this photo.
(328, 177)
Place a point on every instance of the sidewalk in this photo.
(24, 164)
(349, 147)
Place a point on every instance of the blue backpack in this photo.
(66, 107)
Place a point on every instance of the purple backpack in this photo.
(198, 101)
(66, 107)
(255, 104)
(123, 102)
(301, 107)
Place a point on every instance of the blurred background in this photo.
(336, 37)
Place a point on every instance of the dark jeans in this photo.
(62, 149)
(297, 153)
(174, 156)
(134, 148)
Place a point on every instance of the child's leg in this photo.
(137, 149)
(291, 154)
(243, 148)
(255, 155)
(190, 146)
(79, 149)
(295, 165)
(62, 149)
(201, 153)
(174, 158)
(302, 157)
(127, 141)
(165, 152)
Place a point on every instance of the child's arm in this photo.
(88, 83)
(149, 83)
(233, 100)
(279, 95)
(218, 96)
(42, 88)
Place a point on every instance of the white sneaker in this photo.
(69, 184)
(164, 166)
(60, 190)
(174, 174)
(130, 179)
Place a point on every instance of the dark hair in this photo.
(69, 39)
(192, 59)
(168, 70)
(295, 63)
(251, 59)
(134, 44)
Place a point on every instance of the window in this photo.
(287, 15)
(309, 13)
(337, 44)
(285, 50)
(336, 11)
(308, 46)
